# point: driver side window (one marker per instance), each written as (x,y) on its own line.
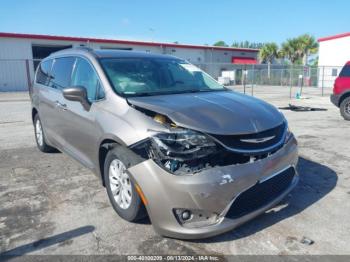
(85,76)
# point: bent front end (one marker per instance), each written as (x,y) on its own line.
(217,199)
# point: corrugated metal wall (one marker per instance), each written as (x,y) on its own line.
(13,56)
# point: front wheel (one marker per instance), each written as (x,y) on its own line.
(121,190)
(40,136)
(345,108)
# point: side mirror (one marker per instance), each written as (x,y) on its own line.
(77,93)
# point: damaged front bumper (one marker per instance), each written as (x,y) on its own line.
(212,196)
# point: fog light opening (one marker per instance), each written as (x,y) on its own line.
(186,215)
(195,218)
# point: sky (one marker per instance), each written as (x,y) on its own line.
(185,21)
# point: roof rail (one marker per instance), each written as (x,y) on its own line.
(85,48)
(89,49)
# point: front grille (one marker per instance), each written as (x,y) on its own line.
(234,141)
(261,194)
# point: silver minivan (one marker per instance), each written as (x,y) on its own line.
(165,139)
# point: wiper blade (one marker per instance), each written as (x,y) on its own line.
(143,94)
(172,92)
(202,90)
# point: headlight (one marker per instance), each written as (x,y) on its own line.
(289,134)
(173,149)
(182,143)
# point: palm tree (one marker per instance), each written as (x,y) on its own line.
(292,50)
(268,53)
(299,48)
(308,46)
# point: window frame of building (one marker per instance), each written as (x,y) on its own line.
(334,72)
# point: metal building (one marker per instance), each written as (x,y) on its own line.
(333,53)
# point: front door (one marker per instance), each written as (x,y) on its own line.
(80,129)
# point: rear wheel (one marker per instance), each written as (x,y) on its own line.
(40,136)
(345,108)
(121,189)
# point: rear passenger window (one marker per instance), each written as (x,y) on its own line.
(345,72)
(61,72)
(43,73)
(85,76)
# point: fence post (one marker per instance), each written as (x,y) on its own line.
(243,82)
(290,82)
(28,74)
(281,77)
(322,81)
(243,78)
(253,80)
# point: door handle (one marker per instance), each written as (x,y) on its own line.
(60,105)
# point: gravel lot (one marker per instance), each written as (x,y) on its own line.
(50,204)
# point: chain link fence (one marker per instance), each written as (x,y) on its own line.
(287,80)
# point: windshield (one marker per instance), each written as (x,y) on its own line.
(154,76)
(345,72)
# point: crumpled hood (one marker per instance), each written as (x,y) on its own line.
(221,112)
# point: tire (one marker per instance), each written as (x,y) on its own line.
(40,136)
(345,108)
(129,206)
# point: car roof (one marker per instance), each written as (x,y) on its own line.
(98,53)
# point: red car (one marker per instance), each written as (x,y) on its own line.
(341,92)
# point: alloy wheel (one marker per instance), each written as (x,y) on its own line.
(120,184)
(39,133)
(347,108)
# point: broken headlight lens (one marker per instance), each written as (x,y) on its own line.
(183,144)
(182,151)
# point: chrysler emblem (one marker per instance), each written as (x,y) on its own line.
(257,140)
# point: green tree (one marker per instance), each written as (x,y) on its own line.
(298,49)
(256,45)
(267,54)
(235,44)
(220,43)
(247,44)
(292,50)
(308,46)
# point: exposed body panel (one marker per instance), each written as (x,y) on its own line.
(203,191)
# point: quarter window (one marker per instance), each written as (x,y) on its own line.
(62,72)
(85,76)
(43,73)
